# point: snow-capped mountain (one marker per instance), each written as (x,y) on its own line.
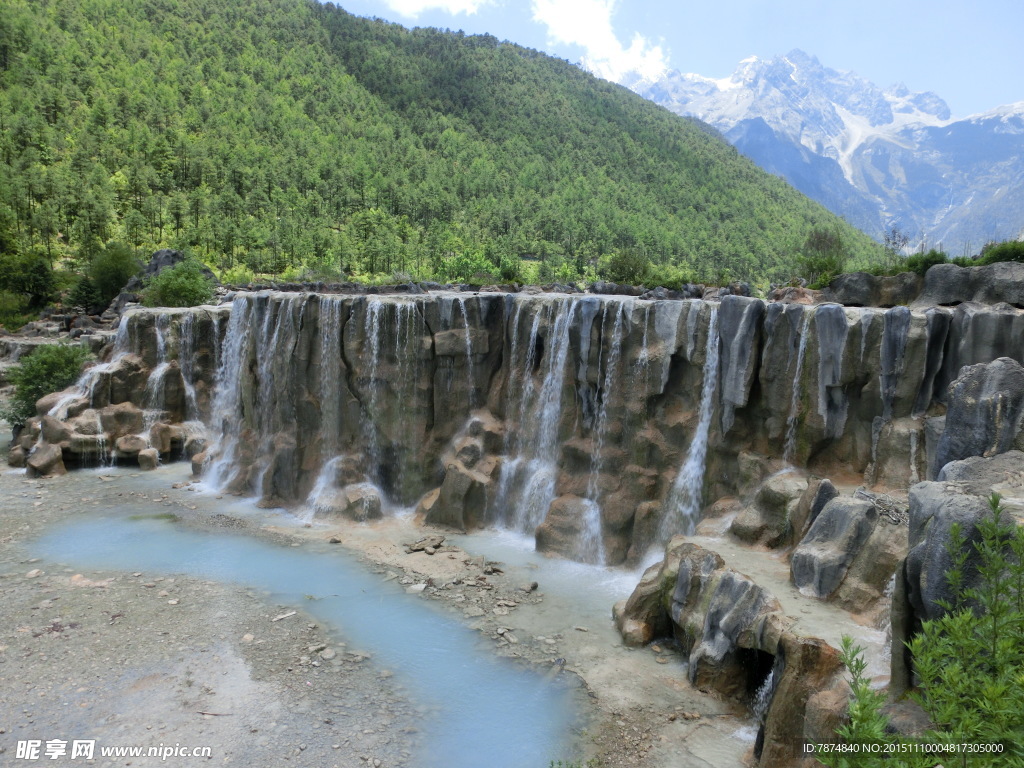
(878,157)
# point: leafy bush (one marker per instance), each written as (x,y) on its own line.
(919,263)
(627,268)
(111,269)
(467,267)
(28,274)
(1011,250)
(668,276)
(46,369)
(238,275)
(823,256)
(183,285)
(86,295)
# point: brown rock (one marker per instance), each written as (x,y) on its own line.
(45,461)
(149,458)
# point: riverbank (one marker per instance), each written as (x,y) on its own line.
(147,659)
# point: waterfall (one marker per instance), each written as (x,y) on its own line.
(330,375)
(153,399)
(470,387)
(763,696)
(643,360)
(682,507)
(533,467)
(187,350)
(591,544)
(226,414)
(325,484)
(85,387)
(789,448)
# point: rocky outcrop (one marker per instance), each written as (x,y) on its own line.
(960,497)
(860,289)
(849,554)
(985,413)
(736,638)
(769,519)
(948,284)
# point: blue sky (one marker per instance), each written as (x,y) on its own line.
(969,53)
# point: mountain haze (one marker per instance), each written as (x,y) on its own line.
(879,157)
(286,135)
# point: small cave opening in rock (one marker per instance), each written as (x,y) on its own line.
(538,353)
(761,673)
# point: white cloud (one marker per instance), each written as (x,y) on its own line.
(588,24)
(413,8)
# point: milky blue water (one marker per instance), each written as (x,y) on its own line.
(490,712)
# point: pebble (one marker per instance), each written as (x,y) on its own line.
(35,572)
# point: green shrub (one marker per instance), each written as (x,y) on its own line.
(86,295)
(626,268)
(28,274)
(919,263)
(668,276)
(1011,250)
(823,256)
(238,275)
(183,285)
(111,269)
(46,369)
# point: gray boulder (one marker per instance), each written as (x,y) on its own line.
(986,411)
(859,289)
(988,284)
(769,519)
(935,507)
(820,561)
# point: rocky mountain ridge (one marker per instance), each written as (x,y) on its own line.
(879,157)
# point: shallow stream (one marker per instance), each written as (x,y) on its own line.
(485,710)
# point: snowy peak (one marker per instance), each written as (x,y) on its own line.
(876,156)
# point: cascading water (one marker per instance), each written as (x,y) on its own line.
(187,351)
(85,387)
(153,399)
(682,507)
(789,448)
(330,375)
(227,415)
(388,396)
(591,545)
(470,388)
(535,448)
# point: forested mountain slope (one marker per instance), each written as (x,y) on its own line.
(285,135)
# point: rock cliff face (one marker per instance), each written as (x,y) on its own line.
(599,423)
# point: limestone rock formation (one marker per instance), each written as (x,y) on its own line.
(849,554)
(506,403)
(960,497)
(769,519)
(985,413)
(989,284)
(734,633)
(860,289)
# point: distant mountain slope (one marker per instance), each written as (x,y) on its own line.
(877,157)
(279,134)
